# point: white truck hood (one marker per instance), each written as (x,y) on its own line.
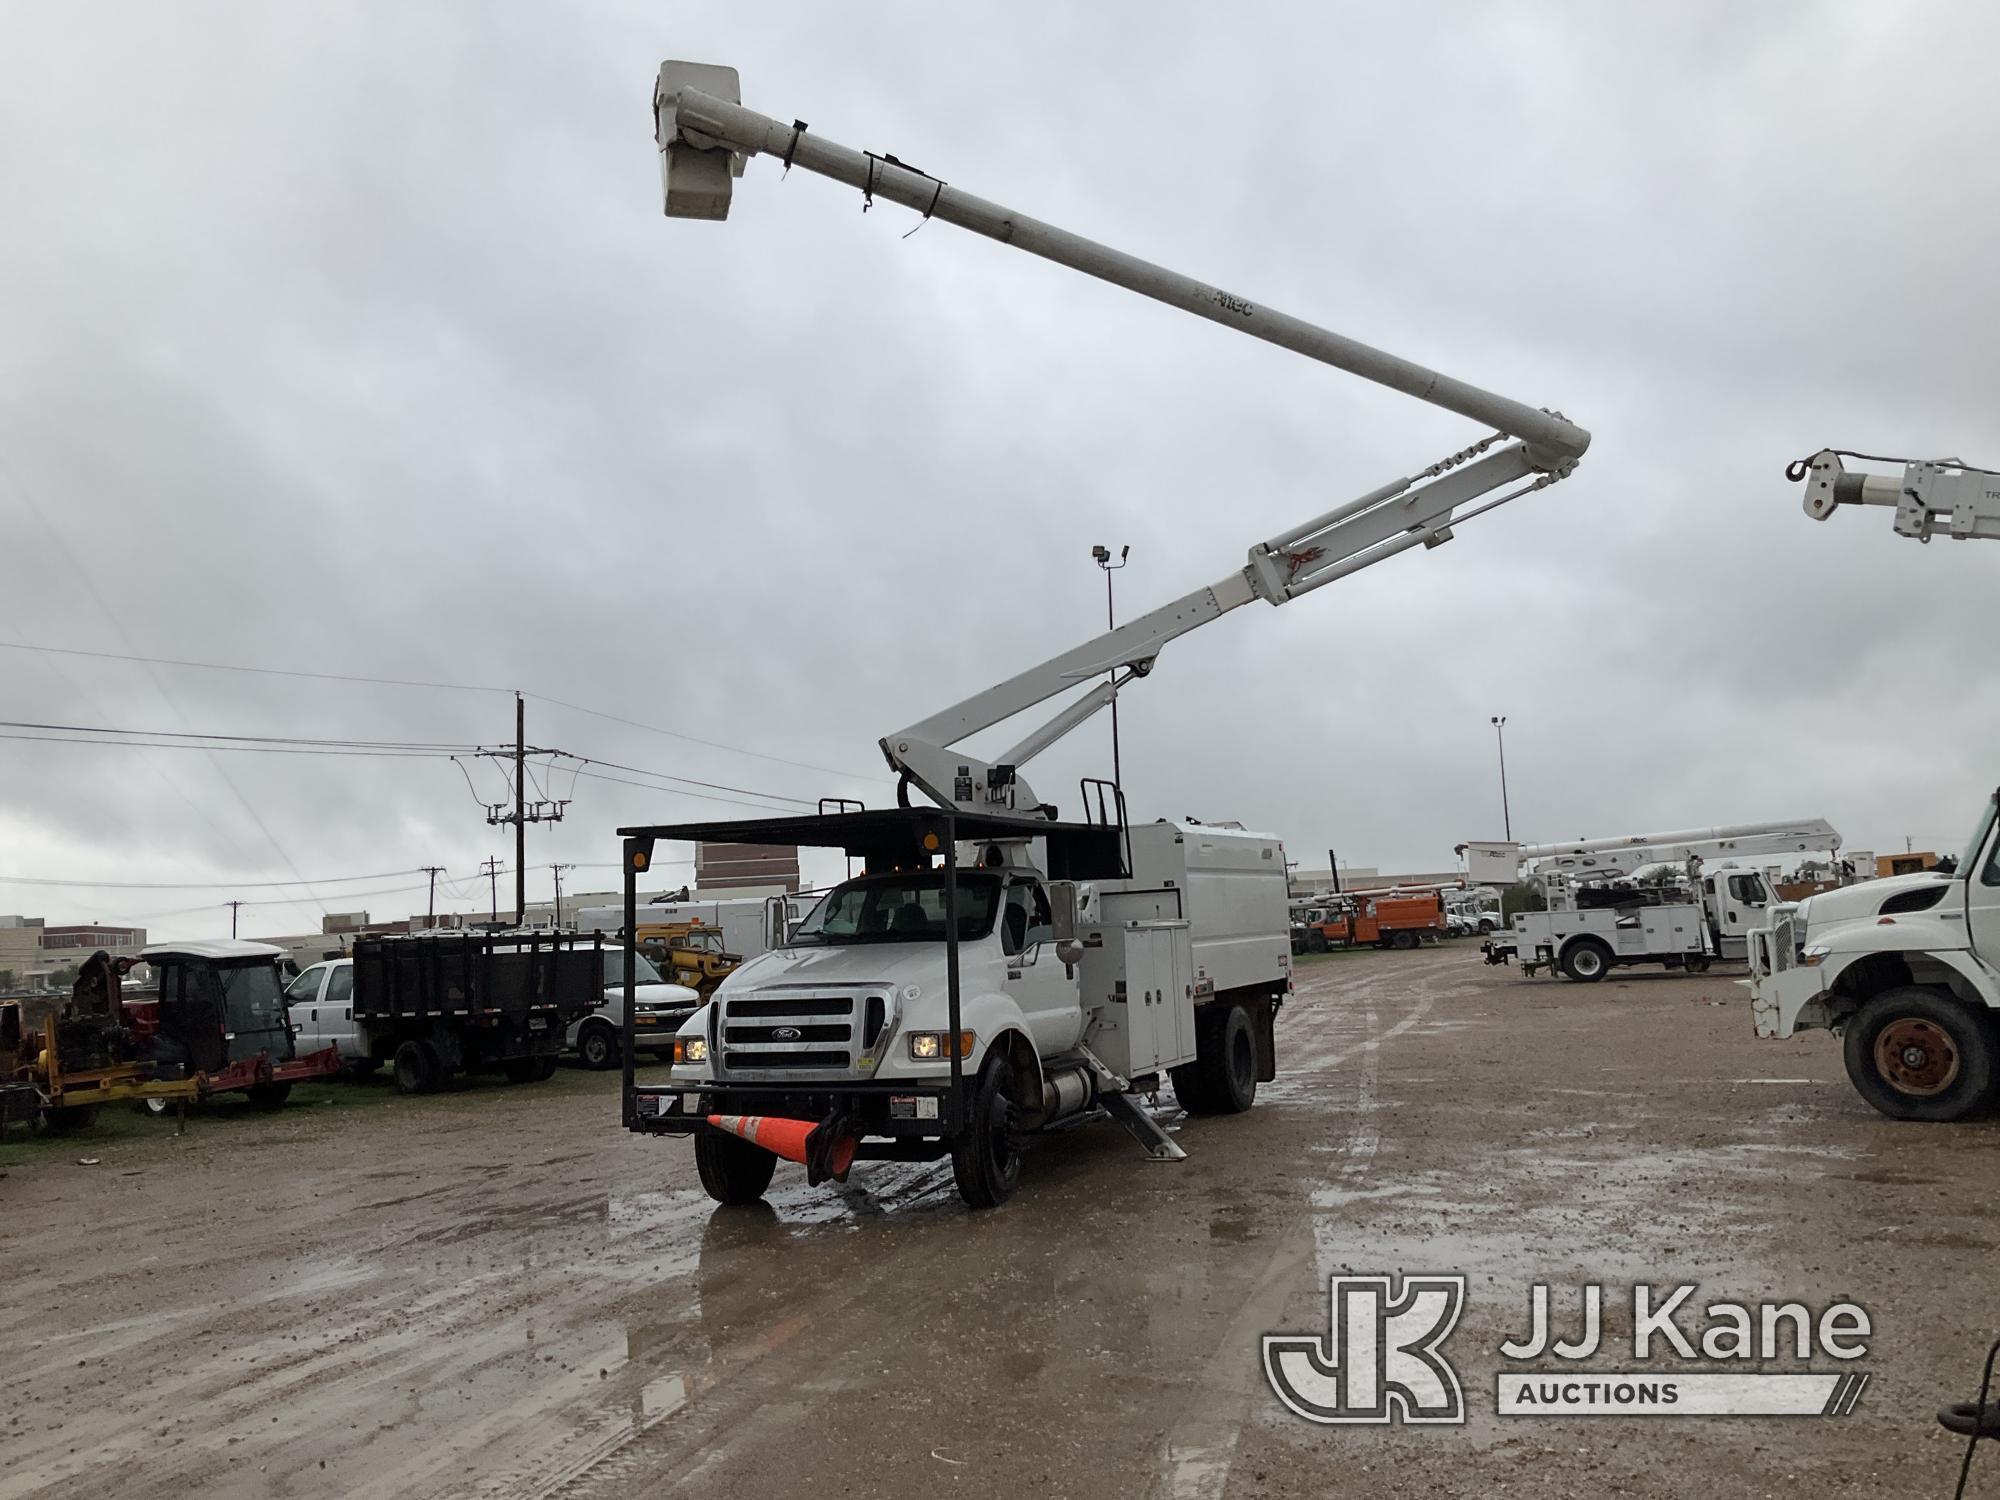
(891,965)
(1853,902)
(664,996)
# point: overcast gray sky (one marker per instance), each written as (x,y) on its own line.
(352,340)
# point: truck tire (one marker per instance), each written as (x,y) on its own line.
(1696,965)
(154,1109)
(417,1068)
(1317,943)
(1916,1053)
(522,1069)
(1222,1079)
(1586,960)
(268,1096)
(545,1067)
(986,1157)
(63,1117)
(732,1170)
(597,1045)
(1485,926)
(1403,939)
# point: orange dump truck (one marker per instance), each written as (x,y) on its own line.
(1385,919)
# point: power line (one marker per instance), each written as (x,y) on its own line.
(454,687)
(270,739)
(199,885)
(716,786)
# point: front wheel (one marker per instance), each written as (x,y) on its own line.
(597,1045)
(733,1171)
(986,1157)
(1586,960)
(1916,1053)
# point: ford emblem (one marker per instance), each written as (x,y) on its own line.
(785,1033)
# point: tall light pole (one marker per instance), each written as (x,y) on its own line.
(1506,818)
(1102,557)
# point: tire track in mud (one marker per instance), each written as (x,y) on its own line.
(1335,1019)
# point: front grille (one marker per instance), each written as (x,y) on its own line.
(760,1033)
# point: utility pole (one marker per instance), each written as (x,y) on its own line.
(1102,557)
(520,811)
(431,907)
(521,815)
(1333,864)
(491,870)
(557,871)
(1506,817)
(232,905)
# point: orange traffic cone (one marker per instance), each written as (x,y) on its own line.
(793,1140)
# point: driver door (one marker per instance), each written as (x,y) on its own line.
(302,1004)
(1036,980)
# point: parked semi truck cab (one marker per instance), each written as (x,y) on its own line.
(1906,970)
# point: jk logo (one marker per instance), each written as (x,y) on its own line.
(1380,1360)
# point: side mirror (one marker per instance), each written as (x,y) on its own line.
(1062,909)
(1062,922)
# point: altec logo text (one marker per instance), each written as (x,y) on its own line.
(1382,1359)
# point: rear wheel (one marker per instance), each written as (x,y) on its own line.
(1697,965)
(986,1157)
(597,1045)
(1404,939)
(1317,942)
(732,1170)
(1586,960)
(70,1116)
(268,1096)
(1222,1079)
(522,1069)
(417,1068)
(157,1109)
(1916,1053)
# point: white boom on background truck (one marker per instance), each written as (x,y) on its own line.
(1596,921)
(997,970)
(1905,970)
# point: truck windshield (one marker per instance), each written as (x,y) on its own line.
(1979,832)
(614,969)
(251,997)
(901,909)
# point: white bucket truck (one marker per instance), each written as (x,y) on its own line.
(1598,918)
(1906,971)
(997,970)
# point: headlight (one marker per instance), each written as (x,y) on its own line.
(928,1046)
(690,1049)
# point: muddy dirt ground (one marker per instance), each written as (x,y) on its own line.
(496,1293)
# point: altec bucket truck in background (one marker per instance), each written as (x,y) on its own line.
(1598,918)
(995,970)
(1906,970)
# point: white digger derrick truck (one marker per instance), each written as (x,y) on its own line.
(996,970)
(1597,919)
(1905,970)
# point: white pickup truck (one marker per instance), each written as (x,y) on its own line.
(1906,971)
(1073,996)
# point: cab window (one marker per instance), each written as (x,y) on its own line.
(1746,889)
(305,989)
(340,986)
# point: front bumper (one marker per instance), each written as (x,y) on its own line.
(908,1108)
